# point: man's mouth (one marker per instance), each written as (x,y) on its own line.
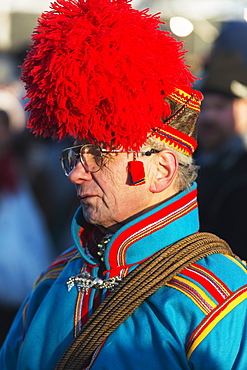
(85,197)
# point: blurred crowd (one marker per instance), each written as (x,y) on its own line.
(37,202)
(222,139)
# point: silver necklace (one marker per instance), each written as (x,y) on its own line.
(84,281)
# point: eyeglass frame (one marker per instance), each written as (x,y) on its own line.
(80,158)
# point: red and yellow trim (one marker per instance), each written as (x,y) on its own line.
(149,225)
(81,315)
(191,100)
(192,291)
(159,224)
(238,263)
(209,281)
(57,266)
(176,139)
(201,286)
(210,321)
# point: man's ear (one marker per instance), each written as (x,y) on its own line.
(165,170)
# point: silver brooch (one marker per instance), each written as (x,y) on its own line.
(85,281)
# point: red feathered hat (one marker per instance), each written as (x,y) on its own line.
(103,71)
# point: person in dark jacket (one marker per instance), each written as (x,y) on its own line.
(222,130)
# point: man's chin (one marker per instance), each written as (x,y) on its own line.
(92,217)
(103,225)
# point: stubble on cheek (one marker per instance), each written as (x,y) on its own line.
(97,212)
(103,209)
(90,210)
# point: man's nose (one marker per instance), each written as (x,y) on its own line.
(79,174)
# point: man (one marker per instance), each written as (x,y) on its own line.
(222,128)
(116,75)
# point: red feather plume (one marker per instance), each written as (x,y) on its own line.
(99,69)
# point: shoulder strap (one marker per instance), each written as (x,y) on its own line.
(133,290)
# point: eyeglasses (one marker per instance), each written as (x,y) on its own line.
(91,157)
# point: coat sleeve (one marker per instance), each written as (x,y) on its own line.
(10,350)
(220,341)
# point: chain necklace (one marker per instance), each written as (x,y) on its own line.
(85,281)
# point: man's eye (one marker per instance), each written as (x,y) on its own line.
(106,157)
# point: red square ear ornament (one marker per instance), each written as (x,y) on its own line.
(137,172)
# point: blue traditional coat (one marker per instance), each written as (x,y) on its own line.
(196,321)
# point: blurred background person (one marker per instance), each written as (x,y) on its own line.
(51,188)
(222,129)
(34,225)
(40,157)
(25,242)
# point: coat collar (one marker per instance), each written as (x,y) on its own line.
(142,237)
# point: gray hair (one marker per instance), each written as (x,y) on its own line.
(187,170)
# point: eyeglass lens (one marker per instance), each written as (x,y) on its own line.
(90,155)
